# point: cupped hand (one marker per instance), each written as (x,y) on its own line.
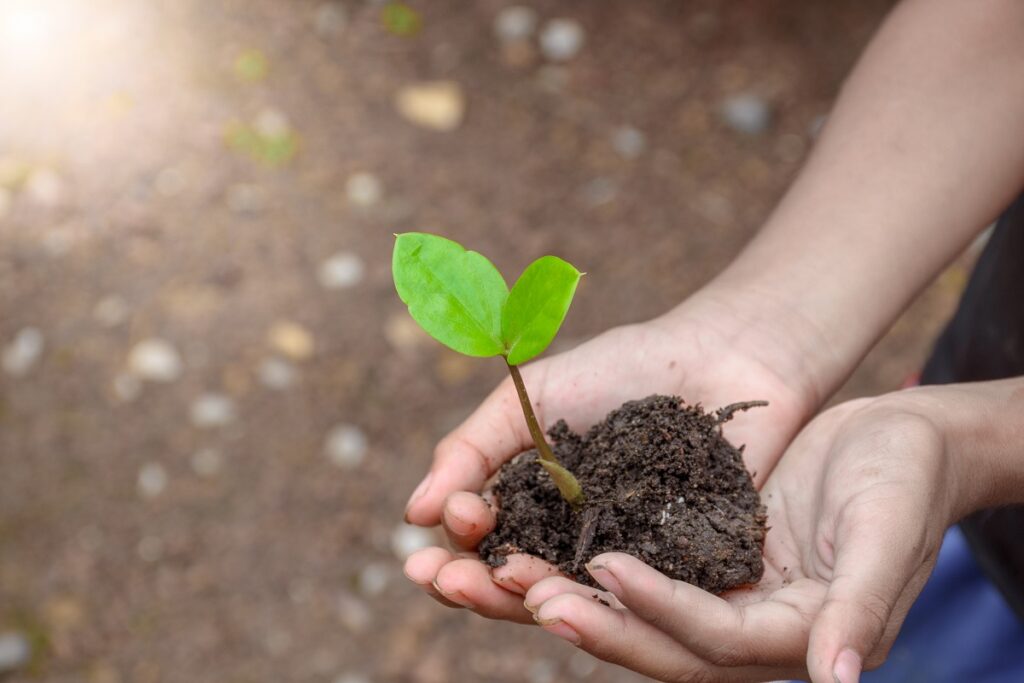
(694,353)
(857,508)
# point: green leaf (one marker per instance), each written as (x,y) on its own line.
(536,307)
(455,295)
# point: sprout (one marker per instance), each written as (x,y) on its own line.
(462,301)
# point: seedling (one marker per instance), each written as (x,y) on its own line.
(462,301)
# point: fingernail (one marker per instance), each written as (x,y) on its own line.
(603,576)
(418,493)
(559,628)
(509,584)
(847,667)
(455,596)
(457,524)
(532,609)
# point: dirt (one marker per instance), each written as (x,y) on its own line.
(662,484)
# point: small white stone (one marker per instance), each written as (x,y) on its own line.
(346,446)
(152,480)
(542,671)
(15,651)
(629,142)
(437,105)
(515,23)
(150,549)
(23,352)
(598,192)
(581,664)
(363,189)
(354,613)
(352,678)
(341,271)
(44,187)
(213,410)
(155,360)
(110,311)
(374,578)
(747,113)
(246,198)
(170,182)
(272,123)
(562,39)
(127,387)
(207,462)
(407,539)
(330,18)
(275,373)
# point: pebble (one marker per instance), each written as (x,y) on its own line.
(599,192)
(581,664)
(15,651)
(330,19)
(354,613)
(150,549)
(515,23)
(435,105)
(747,113)
(403,333)
(291,339)
(346,446)
(278,374)
(629,142)
(407,539)
(542,671)
(363,189)
(23,352)
(272,123)
(374,578)
(352,678)
(246,198)
(213,410)
(341,271)
(561,39)
(110,311)
(44,187)
(155,360)
(207,462)
(6,199)
(152,480)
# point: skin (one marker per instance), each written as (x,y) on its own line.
(911,166)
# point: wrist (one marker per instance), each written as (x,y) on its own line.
(767,329)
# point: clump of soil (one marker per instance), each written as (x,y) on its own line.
(662,484)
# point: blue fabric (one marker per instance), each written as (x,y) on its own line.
(960,629)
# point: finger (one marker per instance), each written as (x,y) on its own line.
(467,518)
(544,590)
(762,633)
(468,582)
(520,572)
(621,637)
(465,459)
(422,568)
(872,568)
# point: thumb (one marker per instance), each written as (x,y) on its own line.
(874,562)
(468,456)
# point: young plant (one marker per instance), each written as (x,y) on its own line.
(462,301)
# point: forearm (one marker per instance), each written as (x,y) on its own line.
(982,424)
(920,153)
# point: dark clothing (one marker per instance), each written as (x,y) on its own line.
(985,341)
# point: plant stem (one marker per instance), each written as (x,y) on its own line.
(567,484)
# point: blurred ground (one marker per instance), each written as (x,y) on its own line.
(212,404)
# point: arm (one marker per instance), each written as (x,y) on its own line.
(921,152)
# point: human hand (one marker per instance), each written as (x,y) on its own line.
(704,352)
(857,508)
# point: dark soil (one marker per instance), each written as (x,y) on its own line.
(662,484)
